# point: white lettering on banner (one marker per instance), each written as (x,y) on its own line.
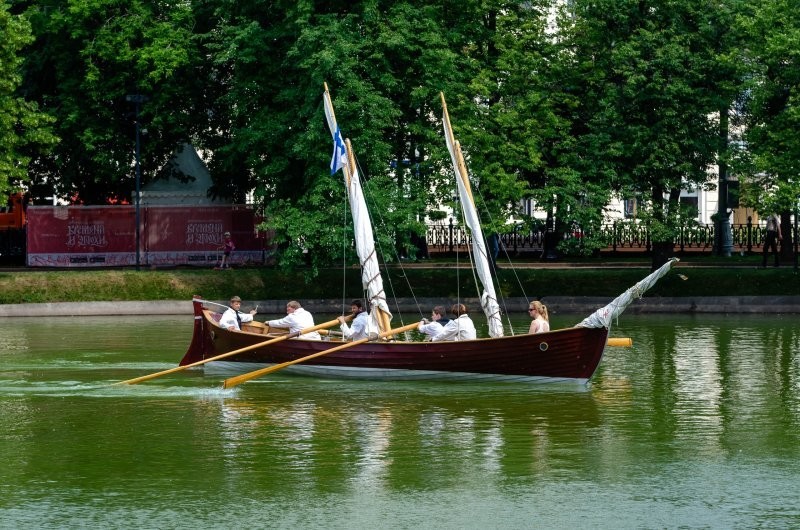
(86,235)
(204,232)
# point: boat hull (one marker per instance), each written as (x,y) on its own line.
(570,354)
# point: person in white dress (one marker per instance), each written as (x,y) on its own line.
(232,318)
(296,319)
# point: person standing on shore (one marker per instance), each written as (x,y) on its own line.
(227,249)
(771,239)
(232,318)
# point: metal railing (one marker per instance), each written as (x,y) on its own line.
(619,236)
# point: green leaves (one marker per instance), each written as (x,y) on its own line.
(770,163)
(617,97)
(24,130)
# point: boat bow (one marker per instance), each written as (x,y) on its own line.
(603,317)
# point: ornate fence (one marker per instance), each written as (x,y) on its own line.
(619,236)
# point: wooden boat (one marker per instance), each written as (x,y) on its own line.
(564,355)
(570,354)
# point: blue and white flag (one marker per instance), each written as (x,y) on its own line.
(339,159)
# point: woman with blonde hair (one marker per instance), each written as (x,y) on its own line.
(541,321)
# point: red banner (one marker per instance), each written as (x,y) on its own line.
(101,236)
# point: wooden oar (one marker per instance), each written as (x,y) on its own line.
(230,353)
(625,342)
(239,379)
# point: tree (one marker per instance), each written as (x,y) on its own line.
(385,63)
(87,58)
(650,83)
(507,120)
(23,129)
(769,158)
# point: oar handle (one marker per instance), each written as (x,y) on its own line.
(239,379)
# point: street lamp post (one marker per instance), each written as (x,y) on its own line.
(137,100)
(724,237)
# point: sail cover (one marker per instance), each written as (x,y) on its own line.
(488,298)
(603,317)
(365,242)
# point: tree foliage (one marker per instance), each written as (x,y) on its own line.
(769,158)
(88,57)
(564,103)
(647,125)
(23,128)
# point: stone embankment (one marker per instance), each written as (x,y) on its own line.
(556,304)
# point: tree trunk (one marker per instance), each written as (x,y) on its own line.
(662,252)
(786,244)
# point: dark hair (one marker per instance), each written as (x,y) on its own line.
(358,304)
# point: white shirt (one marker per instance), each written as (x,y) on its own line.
(460,328)
(229,319)
(773,223)
(358,330)
(297,320)
(431,329)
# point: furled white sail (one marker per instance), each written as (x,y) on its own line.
(488,298)
(603,317)
(365,242)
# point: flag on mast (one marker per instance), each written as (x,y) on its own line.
(339,159)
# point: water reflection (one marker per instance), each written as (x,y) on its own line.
(701,412)
(717,384)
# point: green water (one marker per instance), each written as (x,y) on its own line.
(696,426)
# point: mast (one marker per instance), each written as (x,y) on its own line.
(488,298)
(371,279)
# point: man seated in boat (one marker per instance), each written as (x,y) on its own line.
(358,330)
(296,319)
(460,328)
(232,318)
(431,328)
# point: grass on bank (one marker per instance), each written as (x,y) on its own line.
(439,280)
